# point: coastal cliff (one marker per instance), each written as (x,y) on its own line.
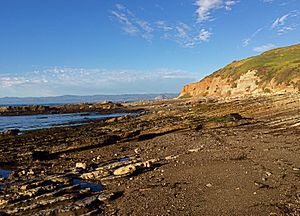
(275,71)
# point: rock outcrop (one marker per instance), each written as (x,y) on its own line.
(275,71)
(101,107)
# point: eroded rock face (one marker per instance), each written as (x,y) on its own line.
(248,84)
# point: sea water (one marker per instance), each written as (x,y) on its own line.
(32,122)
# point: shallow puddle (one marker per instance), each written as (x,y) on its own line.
(4,173)
(124,159)
(83,184)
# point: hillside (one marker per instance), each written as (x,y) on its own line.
(275,71)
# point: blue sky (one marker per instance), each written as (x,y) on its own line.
(58,47)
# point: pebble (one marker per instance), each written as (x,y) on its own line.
(3,202)
(209,185)
(171,157)
(23,172)
(137,150)
(195,150)
(24,187)
(30,172)
(80,165)
(268,174)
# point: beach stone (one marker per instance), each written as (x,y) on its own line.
(3,201)
(121,118)
(209,185)
(194,150)
(171,157)
(111,120)
(88,175)
(130,169)
(30,172)
(23,172)
(24,187)
(137,150)
(268,174)
(11,132)
(80,165)
(125,170)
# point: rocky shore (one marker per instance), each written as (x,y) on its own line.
(103,108)
(181,157)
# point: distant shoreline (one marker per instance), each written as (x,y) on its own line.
(73,99)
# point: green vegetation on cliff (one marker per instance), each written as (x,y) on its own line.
(282,65)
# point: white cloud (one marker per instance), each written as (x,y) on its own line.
(205,7)
(131,24)
(264,48)
(286,23)
(280,21)
(204,35)
(186,35)
(161,24)
(182,30)
(61,81)
(285,29)
(165,29)
(248,40)
(11,81)
(268,1)
(147,29)
(279,2)
(229,4)
(127,25)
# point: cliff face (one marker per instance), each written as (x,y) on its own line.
(275,71)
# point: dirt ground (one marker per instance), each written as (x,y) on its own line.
(180,157)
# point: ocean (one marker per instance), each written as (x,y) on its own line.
(32,122)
